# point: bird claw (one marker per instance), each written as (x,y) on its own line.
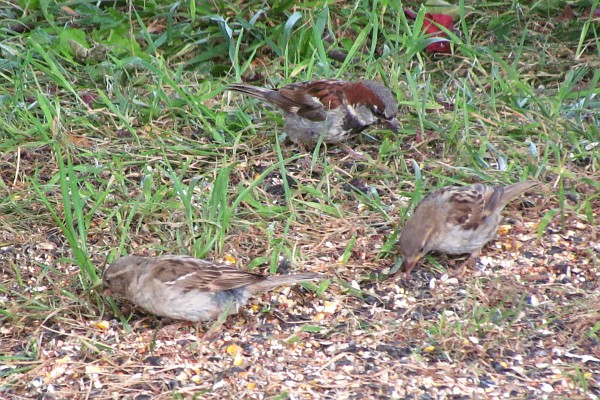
(352,154)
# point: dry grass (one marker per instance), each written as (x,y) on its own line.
(522,323)
(158,167)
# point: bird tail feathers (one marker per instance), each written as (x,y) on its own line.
(254,91)
(512,191)
(279,280)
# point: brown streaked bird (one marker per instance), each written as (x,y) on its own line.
(331,108)
(187,288)
(456,220)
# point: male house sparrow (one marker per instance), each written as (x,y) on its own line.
(456,220)
(187,288)
(330,108)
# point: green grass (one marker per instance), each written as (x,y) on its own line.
(116,138)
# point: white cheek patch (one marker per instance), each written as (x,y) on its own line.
(352,111)
(294,109)
(317,100)
(363,114)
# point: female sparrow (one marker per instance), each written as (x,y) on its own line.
(187,288)
(456,220)
(330,108)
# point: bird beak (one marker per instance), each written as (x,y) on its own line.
(409,264)
(393,124)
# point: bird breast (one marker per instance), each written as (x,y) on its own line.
(457,240)
(303,130)
(191,305)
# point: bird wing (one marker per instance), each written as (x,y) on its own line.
(469,205)
(310,100)
(207,276)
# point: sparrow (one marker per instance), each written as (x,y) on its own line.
(331,108)
(456,220)
(187,288)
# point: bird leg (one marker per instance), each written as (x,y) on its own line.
(468,264)
(353,154)
(306,161)
(168,328)
(216,326)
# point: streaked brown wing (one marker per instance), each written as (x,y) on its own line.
(467,206)
(311,100)
(191,273)
(329,92)
(296,101)
(231,278)
(493,199)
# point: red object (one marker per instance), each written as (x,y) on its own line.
(431,26)
(89,98)
(586,12)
